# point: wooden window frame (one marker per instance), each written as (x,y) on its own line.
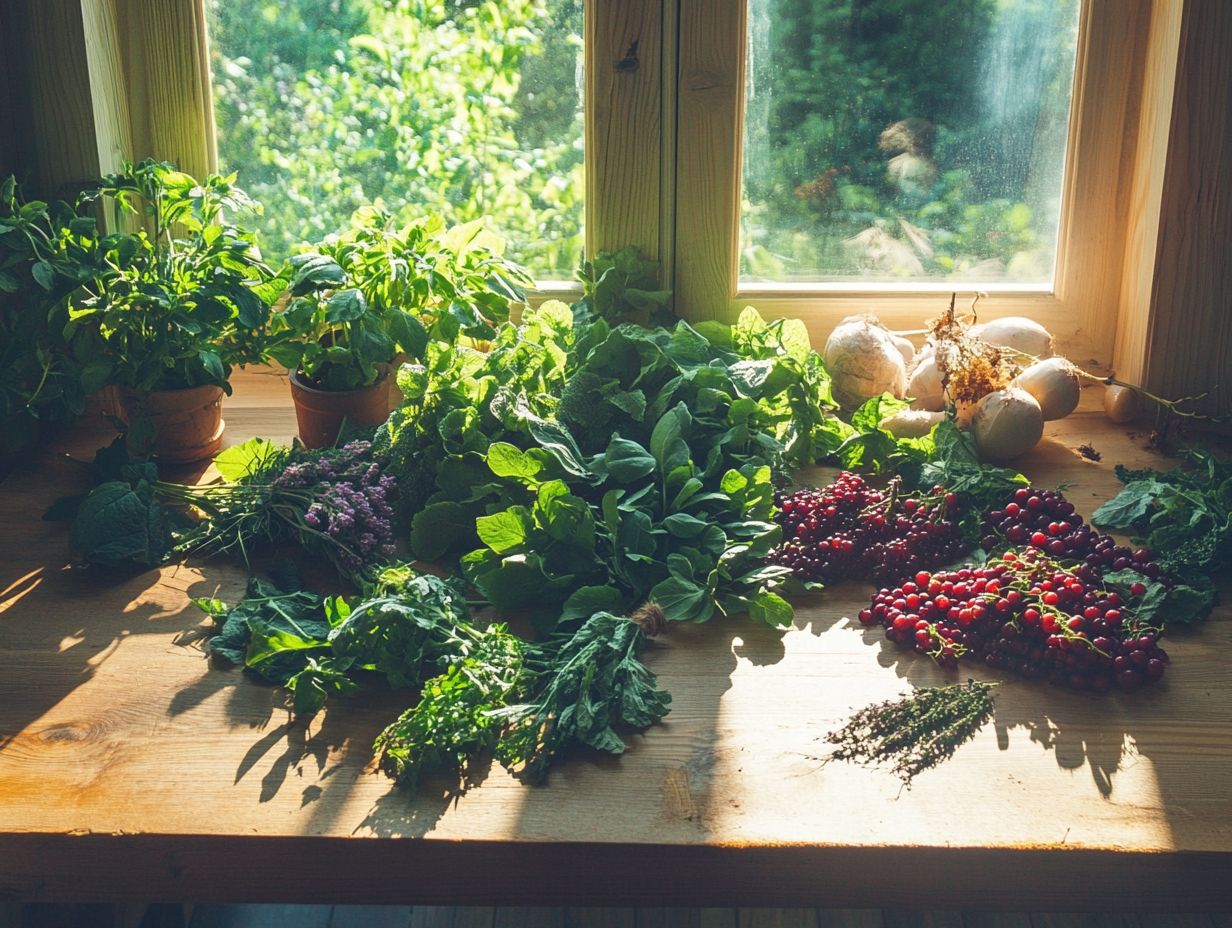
(1142,276)
(1082,307)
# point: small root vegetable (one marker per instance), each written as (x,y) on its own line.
(863,362)
(1054,384)
(1006,424)
(1017,333)
(905,348)
(1120,403)
(911,423)
(924,386)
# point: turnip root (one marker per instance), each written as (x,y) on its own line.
(1006,423)
(863,362)
(905,348)
(1120,403)
(1016,333)
(924,386)
(1054,385)
(911,423)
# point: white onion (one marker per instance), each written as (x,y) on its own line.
(863,362)
(1007,423)
(1016,333)
(1054,385)
(911,423)
(924,386)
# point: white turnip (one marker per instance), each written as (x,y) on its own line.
(905,348)
(924,386)
(1054,385)
(863,362)
(1006,424)
(1120,403)
(911,423)
(1016,333)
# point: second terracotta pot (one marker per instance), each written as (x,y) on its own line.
(188,423)
(320,413)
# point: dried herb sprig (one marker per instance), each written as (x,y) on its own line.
(915,732)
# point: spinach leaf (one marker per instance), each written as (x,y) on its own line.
(118,524)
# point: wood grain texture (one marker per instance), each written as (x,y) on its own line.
(370,916)
(709,116)
(686,918)
(777,918)
(1190,344)
(61,117)
(163,46)
(922,919)
(9,144)
(130,767)
(850,918)
(624,125)
(996,920)
(109,89)
(596,917)
(1146,192)
(260,916)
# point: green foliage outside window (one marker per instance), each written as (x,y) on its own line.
(457,108)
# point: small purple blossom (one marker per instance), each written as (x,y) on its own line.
(347,500)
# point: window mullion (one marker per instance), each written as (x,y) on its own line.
(624,125)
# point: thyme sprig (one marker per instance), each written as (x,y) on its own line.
(917,731)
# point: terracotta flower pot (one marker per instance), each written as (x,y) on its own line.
(320,413)
(188,423)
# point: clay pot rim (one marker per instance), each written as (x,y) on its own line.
(129,391)
(300,383)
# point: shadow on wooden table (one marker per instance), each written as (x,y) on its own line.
(1103,733)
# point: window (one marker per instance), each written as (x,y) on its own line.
(905,140)
(707,141)
(716,275)
(464,109)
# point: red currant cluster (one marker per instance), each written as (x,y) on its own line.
(850,531)
(1044,519)
(1026,614)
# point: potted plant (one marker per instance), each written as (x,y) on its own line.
(165,312)
(376,294)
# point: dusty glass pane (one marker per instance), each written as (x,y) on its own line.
(464,108)
(905,140)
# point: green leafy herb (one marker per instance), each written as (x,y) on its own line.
(595,683)
(377,289)
(1185,517)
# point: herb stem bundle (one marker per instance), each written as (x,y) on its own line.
(917,731)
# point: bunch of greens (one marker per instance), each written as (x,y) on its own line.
(165,307)
(40,383)
(360,298)
(336,502)
(1184,516)
(491,693)
(602,466)
(622,286)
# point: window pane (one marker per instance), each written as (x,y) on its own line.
(905,140)
(464,108)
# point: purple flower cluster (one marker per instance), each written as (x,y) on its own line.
(351,502)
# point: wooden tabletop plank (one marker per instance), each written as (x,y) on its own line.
(117,737)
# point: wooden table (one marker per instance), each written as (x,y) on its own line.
(129,768)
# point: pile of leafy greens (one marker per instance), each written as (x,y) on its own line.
(1184,516)
(580,466)
(485,692)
